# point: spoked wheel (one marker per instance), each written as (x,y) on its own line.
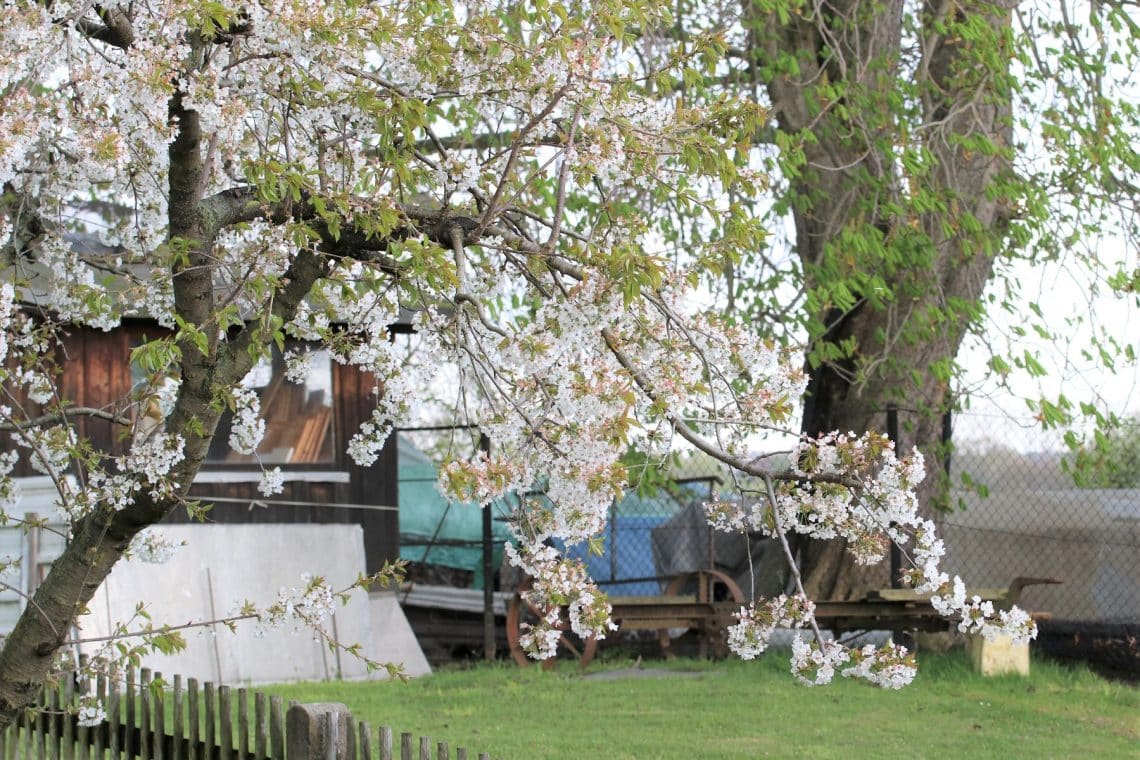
(706,586)
(521,614)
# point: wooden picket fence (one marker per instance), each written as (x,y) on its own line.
(149,718)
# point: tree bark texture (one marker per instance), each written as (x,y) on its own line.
(845,91)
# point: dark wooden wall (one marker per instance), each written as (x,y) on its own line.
(96,372)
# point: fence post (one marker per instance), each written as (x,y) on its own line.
(306,735)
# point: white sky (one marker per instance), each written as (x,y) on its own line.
(1074,314)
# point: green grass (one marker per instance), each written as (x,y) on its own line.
(738,709)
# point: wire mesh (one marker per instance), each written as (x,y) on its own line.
(1018,512)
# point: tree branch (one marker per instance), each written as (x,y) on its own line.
(114,27)
(62,415)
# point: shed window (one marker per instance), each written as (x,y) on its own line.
(298,416)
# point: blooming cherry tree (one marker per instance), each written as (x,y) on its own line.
(514,173)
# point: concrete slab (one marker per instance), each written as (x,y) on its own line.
(219,568)
(393,638)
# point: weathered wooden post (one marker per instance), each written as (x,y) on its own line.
(317,731)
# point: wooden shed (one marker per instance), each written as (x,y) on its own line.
(307,428)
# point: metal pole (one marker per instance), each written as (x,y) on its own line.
(32,568)
(947,438)
(896,552)
(488,570)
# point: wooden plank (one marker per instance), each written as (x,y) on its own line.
(101,731)
(425,748)
(405,746)
(28,726)
(365,741)
(82,741)
(243,723)
(178,720)
(311,439)
(41,735)
(113,705)
(194,718)
(260,725)
(442,752)
(56,706)
(208,714)
(350,738)
(129,714)
(82,733)
(384,742)
(332,735)
(277,727)
(225,730)
(656,601)
(144,715)
(158,724)
(461,753)
(67,737)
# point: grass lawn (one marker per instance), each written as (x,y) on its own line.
(739,709)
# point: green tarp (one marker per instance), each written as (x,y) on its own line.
(430,525)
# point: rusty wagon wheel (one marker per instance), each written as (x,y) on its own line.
(707,587)
(521,612)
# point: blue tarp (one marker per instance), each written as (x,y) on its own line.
(628,555)
(626,568)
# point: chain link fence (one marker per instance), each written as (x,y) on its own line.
(1017,511)
(660,535)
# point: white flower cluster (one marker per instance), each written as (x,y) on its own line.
(814,663)
(90,712)
(309,605)
(365,445)
(7,305)
(152,546)
(723,515)
(39,387)
(748,637)
(559,583)
(9,487)
(977,615)
(258,251)
(50,448)
(72,290)
(272,482)
(949,597)
(298,366)
(856,489)
(116,491)
(248,427)
(890,666)
(152,459)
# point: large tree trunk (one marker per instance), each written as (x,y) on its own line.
(913,278)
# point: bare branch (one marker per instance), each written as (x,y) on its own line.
(62,415)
